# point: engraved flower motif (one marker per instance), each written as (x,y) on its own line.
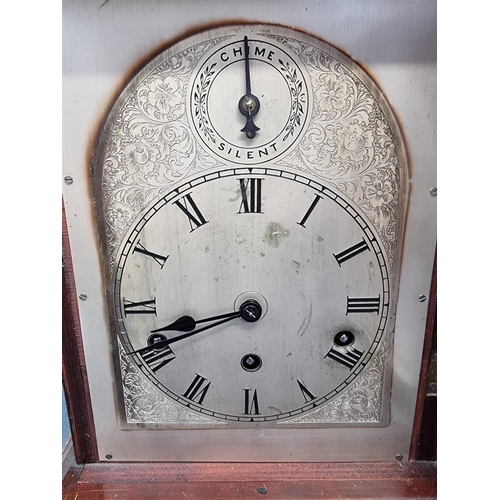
(137,153)
(133,383)
(362,401)
(354,142)
(140,155)
(164,94)
(144,404)
(332,94)
(119,218)
(140,159)
(111,171)
(379,192)
(384,133)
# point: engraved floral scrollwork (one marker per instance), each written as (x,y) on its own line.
(340,136)
(145,404)
(332,94)
(362,402)
(161,99)
(374,193)
(150,144)
(349,142)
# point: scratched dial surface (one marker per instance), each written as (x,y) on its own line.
(307,256)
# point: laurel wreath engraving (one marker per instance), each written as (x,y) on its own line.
(200,102)
(298,97)
(201,92)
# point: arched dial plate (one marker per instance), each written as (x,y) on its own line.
(252,166)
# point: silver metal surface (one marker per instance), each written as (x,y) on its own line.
(101,45)
(326,135)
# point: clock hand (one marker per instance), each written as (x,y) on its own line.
(247,66)
(249,104)
(188,323)
(164,343)
(250,128)
(250,311)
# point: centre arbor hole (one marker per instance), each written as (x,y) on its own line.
(251,362)
(251,310)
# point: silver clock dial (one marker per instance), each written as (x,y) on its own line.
(300,251)
(252,214)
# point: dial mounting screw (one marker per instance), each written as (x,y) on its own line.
(68,179)
(83,296)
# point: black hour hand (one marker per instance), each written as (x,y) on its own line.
(188,323)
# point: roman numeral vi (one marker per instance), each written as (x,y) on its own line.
(251,402)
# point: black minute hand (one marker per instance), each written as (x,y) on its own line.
(248,82)
(249,104)
(250,311)
(163,343)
